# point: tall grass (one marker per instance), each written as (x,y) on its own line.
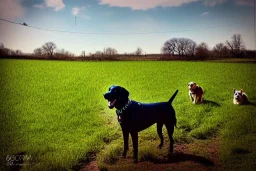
(55,111)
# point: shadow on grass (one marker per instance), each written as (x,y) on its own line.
(90,156)
(182,157)
(240,151)
(251,103)
(212,103)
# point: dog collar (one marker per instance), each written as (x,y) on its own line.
(121,111)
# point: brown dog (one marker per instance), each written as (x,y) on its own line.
(195,93)
(240,97)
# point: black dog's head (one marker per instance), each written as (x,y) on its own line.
(117,97)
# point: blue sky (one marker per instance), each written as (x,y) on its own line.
(124,25)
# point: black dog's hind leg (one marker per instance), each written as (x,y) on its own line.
(170,130)
(126,142)
(135,146)
(160,134)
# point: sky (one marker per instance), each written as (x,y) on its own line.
(92,25)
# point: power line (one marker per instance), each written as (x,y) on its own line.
(112,33)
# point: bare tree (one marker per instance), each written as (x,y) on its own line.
(138,51)
(68,54)
(18,52)
(62,53)
(191,48)
(220,50)
(2,49)
(236,45)
(114,52)
(9,52)
(1,46)
(83,53)
(6,51)
(179,46)
(202,51)
(38,51)
(49,48)
(98,54)
(170,47)
(110,51)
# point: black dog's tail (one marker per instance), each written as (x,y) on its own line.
(170,102)
(173,96)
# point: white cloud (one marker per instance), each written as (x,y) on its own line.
(75,11)
(148,4)
(56,4)
(205,14)
(213,2)
(11,9)
(41,6)
(245,2)
(144,4)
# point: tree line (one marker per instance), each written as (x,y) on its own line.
(9,52)
(188,48)
(183,48)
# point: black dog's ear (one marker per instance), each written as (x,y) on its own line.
(112,87)
(124,92)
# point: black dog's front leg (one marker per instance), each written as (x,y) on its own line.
(126,141)
(135,146)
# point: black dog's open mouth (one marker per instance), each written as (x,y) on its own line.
(111,104)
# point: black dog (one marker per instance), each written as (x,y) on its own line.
(134,117)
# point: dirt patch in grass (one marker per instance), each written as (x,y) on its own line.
(92,166)
(199,155)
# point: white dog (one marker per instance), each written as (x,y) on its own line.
(195,93)
(240,97)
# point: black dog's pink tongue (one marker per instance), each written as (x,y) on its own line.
(111,103)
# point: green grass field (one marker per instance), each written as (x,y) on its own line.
(54,111)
